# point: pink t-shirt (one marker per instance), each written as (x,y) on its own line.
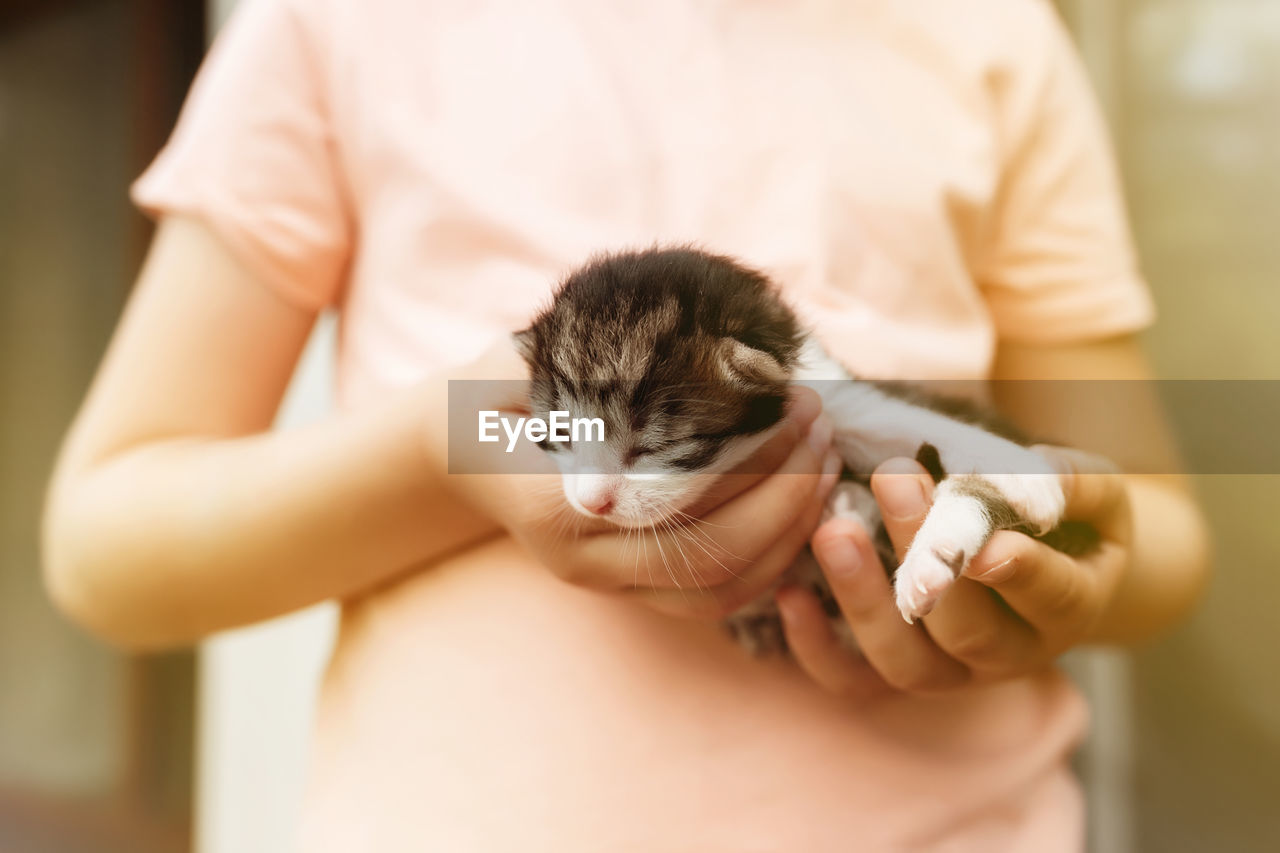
(923,177)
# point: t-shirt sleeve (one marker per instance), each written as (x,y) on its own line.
(1059,264)
(253,155)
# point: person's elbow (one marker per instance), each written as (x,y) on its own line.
(96,583)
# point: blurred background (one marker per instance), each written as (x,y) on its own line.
(205,751)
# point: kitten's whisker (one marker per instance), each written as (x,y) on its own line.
(667,565)
(555,509)
(701,384)
(548,515)
(648,567)
(675,538)
(691,538)
(554,517)
(565,524)
(702,402)
(626,540)
(701,522)
(694,525)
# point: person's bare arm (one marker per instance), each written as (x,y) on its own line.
(173,512)
(1169,555)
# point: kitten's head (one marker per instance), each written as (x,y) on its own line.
(685,358)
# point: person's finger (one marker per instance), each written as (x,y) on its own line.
(697,552)
(904,655)
(750,524)
(1052,592)
(976,628)
(904,491)
(537,500)
(697,598)
(803,408)
(819,651)
(1094,488)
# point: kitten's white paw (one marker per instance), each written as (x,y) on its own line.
(955,530)
(920,582)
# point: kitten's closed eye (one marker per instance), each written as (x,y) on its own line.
(635,454)
(701,455)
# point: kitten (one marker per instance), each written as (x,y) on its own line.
(687,357)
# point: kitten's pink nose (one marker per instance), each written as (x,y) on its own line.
(600,503)
(596,493)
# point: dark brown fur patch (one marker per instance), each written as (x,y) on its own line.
(1001,514)
(929,457)
(675,342)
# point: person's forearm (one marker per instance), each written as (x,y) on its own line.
(1169,563)
(167,542)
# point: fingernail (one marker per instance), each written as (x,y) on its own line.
(843,557)
(820,433)
(902,497)
(998,573)
(832,465)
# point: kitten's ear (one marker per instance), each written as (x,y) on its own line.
(525,342)
(742,363)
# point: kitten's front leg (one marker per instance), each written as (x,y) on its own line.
(969,505)
(990,482)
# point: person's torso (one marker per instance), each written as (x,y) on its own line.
(488,148)
(485,706)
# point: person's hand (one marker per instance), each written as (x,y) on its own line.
(726,550)
(1018,605)
(729,550)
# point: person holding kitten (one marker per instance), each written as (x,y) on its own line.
(931,186)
